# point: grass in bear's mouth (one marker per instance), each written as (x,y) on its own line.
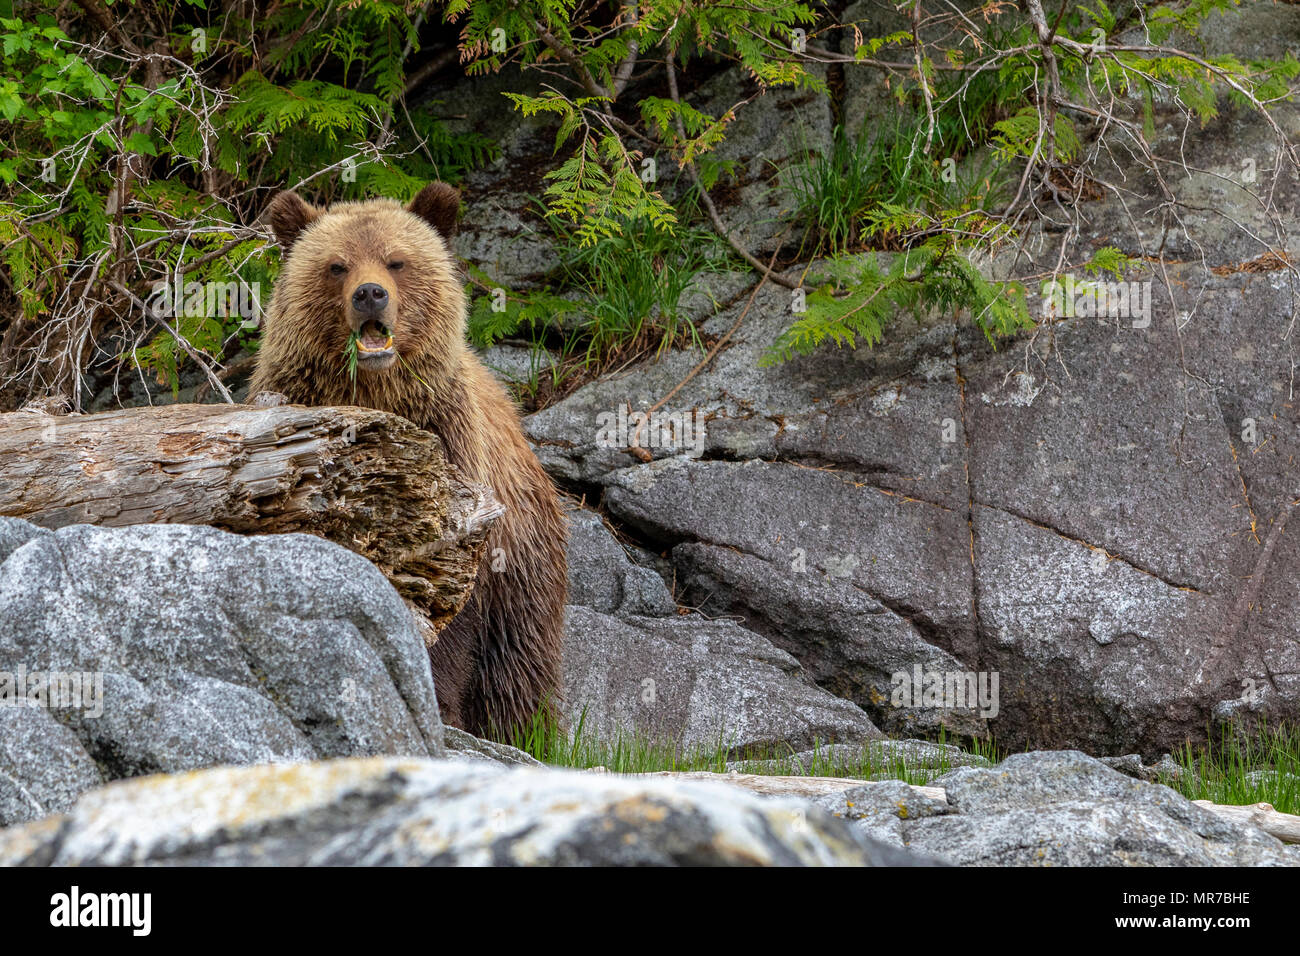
(350,355)
(418,377)
(354,348)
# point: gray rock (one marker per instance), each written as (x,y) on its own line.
(502,231)
(844,408)
(513,246)
(468,747)
(43,766)
(1257,27)
(211,647)
(602,576)
(770,134)
(714,292)
(385,811)
(825,568)
(847,640)
(1230,159)
(517,365)
(1035,809)
(634,665)
(880,811)
(1067,809)
(866,97)
(696,683)
(1131,765)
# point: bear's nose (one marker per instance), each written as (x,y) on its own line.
(370,298)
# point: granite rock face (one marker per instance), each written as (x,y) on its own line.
(1099,517)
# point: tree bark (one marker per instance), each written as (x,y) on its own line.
(367,480)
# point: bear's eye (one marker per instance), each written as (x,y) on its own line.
(396,265)
(337,270)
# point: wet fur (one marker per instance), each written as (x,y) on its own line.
(498,661)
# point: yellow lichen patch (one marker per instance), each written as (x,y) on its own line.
(639,808)
(568,806)
(234,797)
(18,843)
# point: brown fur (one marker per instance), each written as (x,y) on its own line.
(499,659)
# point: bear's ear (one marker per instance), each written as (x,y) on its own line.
(438,204)
(288,215)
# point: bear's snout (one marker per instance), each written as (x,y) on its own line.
(371,317)
(370,299)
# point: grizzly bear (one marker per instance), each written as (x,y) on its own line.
(386,273)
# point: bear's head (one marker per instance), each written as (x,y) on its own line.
(373,269)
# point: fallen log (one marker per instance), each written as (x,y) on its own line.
(788,786)
(1284,826)
(367,480)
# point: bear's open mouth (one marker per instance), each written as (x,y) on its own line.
(374,337)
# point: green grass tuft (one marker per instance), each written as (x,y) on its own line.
(1241,767)
(633,752)
(1255,765)
(840,193)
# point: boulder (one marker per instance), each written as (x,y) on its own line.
(503,233)
(192,647)
(466,746)
(603,576)
(1067,809)
(394,812)
(634,665)
(885,811)
(696,683)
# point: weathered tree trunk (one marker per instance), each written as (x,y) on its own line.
(367,480)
